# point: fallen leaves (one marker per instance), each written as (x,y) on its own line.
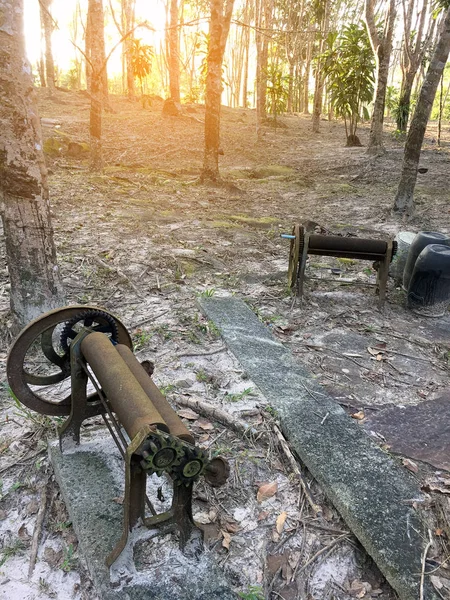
(266,490)
(438,483)
(410,465)
(281,519)
(226,539)
(187,413)
(359,416)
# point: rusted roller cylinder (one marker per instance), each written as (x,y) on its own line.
(329,245)
(128,400)
(175,424)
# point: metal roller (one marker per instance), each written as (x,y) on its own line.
(129,401)
(173,421)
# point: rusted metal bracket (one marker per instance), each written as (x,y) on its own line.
(304,243)
(91,347)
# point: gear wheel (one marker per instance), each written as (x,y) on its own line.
(161,453)
(192,466)
(97,320)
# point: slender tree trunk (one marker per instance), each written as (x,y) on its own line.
(245,76)
(404,199)
(320,79)
(263,11)
(174,52)
(129,24)
(41,69)
(221,11)
(96,26)
(290,88)
(404,101)
(46,19)
(24,203)
(382,48)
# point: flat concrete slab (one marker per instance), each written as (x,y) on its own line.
(421,431)
(372,493)
(90,483)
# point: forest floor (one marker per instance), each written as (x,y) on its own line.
(144,239)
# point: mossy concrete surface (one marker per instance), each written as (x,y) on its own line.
(373,494)
(91,491)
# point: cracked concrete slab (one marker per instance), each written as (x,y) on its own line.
(89,479)
(372,493)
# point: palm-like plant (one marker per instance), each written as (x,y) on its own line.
(349,67)
(141,60)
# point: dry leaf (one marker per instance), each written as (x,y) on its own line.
(3,514)
(263,515)
(437,484)
(358,415)
(204,424)
(231,527)
(267,490)
(118,500)
(280,521)
(379,357)
(410,465)
(202,518)
(52,557)
(372,351)
(226,539)
(187,413)
(23,533)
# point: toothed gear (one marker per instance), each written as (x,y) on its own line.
(104,323)
(192,466)
(162,453)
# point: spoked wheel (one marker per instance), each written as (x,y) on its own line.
(295,252)
(39,360)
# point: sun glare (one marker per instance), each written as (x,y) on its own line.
(63,37)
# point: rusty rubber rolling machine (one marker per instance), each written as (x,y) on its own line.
(303,243)
(93,348)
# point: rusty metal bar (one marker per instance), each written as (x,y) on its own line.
(173,421)
(359,248)
(128,399)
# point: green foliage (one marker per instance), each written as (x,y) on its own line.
(277,90)
(392,95)
(254,592)
(141,59)
(349,66)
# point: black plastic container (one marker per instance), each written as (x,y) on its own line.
(422,239)
(429,286)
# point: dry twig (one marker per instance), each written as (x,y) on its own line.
(208,410)
(317,510)
(37,530)
(424,559)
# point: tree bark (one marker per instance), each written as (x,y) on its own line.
(264,9)
(404,199)
(319,78)
(174,52)
(413,52)
(219,26)
(47,22)
(98,68)
(24,203)
(382,48)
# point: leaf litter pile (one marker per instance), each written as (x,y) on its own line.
(143,239)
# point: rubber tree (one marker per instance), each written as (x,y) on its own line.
(95,27)
(174,52)
(415,43)
(219,26)
(323,18)
(47,26)
(404,199)
(24,198)
(382,47)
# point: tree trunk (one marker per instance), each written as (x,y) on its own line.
(97,51)
(319,79)
(414,48)
(128,24)
(24,203)
(174,52)
(221,11)
(404,199)
(382,48)
(263,22)
(404,101)
(46,19)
